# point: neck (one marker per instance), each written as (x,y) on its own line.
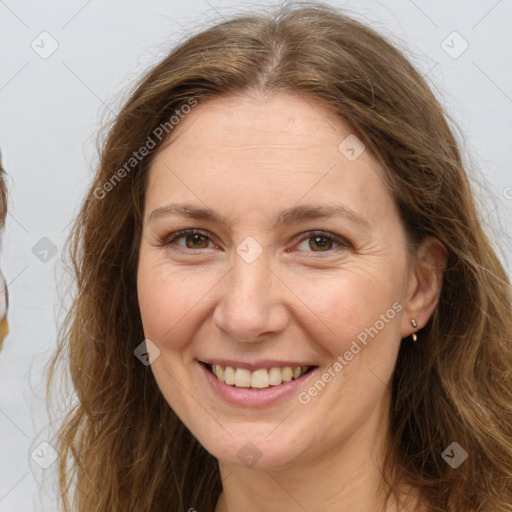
(342,477)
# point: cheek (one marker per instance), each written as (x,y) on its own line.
(356,305)
(171,301)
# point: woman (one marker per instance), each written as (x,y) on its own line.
(282,214)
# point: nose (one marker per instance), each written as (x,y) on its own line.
(251,303)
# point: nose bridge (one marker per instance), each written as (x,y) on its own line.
(250,304)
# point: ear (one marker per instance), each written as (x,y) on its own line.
(425,284)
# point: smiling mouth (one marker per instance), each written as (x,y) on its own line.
(261,378)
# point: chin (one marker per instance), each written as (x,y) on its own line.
(256,448)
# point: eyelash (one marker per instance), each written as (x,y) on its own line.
(186,232)
(344,244)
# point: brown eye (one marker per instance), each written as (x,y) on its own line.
(316,242)
(189,239)
(196,241)
(320,243)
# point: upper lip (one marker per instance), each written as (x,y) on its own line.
(252,366)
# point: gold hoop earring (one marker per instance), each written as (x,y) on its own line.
(414,335)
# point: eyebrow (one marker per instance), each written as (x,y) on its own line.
(305,212)
(187,210)
(287,217)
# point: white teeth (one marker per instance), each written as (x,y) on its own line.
(242,378)
(274,376)
(287,374)
(218,371)
(229,375)
(259,379)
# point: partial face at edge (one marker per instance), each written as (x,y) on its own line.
(304,254)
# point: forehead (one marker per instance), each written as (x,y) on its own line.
(241,151)
(242,123)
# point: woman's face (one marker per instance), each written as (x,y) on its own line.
(270,244)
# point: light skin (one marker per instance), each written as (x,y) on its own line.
(249,158)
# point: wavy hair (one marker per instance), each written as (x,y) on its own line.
(121,446)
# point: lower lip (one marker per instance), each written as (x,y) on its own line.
(248,397)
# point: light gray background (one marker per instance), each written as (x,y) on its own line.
(52,109)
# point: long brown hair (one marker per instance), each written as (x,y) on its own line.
(121,446)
